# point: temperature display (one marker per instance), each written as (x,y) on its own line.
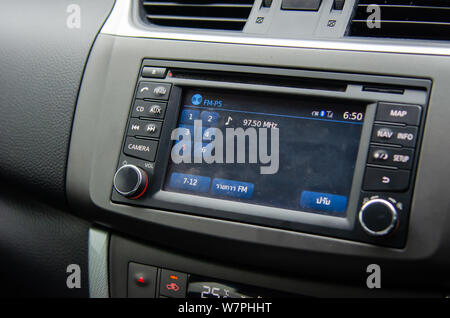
(202,287)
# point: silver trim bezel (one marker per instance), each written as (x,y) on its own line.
(121,22)
(98,263)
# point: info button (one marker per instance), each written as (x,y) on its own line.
(323,202)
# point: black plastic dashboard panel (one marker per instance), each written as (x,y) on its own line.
(41,65)
(124,250)
(37,244)
(42,59)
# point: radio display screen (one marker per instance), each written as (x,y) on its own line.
(283,151)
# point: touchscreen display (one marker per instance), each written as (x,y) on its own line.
(286,151)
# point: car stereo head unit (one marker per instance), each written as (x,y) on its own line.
(324,153)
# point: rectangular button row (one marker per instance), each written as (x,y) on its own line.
(142,148)
(394,135)
(140,125)
(143,282)
(153,90)
(379,179)
(142,108)
(144,128)
(219,187)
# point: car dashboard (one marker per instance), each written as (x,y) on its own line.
(217,149)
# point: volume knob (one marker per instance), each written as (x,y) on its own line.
(130,181)
(378,217)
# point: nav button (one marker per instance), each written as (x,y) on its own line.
(386,180)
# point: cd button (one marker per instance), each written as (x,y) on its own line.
(403,136)
(386,180)
(403,114)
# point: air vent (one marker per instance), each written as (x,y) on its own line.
(199,14)
(409,19)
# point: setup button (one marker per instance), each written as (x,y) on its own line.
(324,202)
(396,157)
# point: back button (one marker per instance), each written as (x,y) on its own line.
(386,180)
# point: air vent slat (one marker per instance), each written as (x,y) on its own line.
(206,14)
(409,19)
(173,17)
(433,3)
(210,5)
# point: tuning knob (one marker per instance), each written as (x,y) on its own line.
(130,181)
(378,217)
